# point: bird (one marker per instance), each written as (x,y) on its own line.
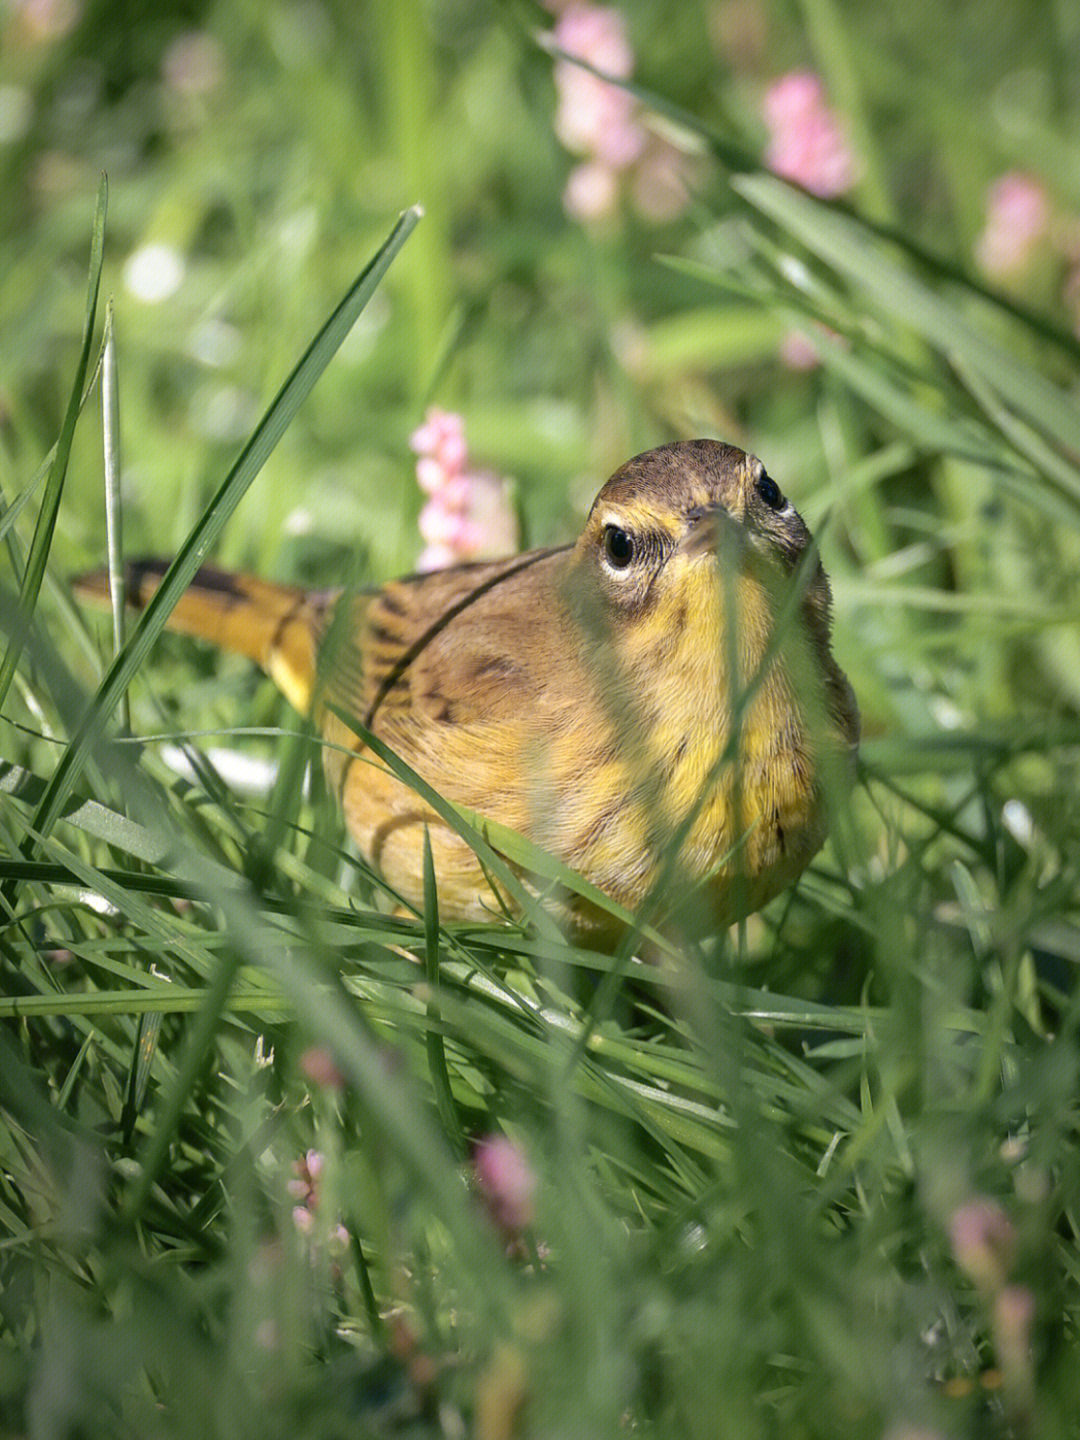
(657,705)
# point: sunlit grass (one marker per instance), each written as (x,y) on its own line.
(755,1160)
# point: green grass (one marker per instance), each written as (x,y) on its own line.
(751,1156)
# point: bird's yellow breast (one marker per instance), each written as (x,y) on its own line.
(679,728)
(715,747)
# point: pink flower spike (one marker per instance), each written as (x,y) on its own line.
(452,451)
(436,557)
(437,524)
(439,427)
(422,439)
(620,142)
(591,193)
(466,537)
(596,33)
(456,494)
(507,1181)
(798,351)
(1017,218)
(431,475)
(806,143)
(794,99)
(982,1242)
(596,119)
(468,513)
(445,424)
(317,1065)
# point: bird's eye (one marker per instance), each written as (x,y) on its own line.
(770,492)
(618,547)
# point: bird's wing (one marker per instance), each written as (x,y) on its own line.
(463,645)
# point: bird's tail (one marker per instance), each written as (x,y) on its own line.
(277,626)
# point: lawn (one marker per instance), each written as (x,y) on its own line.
(279,1157)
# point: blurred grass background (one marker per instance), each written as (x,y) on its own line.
(818,1179)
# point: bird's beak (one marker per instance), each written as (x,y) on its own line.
(712,530)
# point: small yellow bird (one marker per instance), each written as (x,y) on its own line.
(667,680)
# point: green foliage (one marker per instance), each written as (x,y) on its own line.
(804,1179)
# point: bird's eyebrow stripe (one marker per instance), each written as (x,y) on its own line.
(644,524)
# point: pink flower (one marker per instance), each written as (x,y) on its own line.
(468,515)
(806,143)
(436,557)
(982,1242)
(1014,1315)
(798,351)
(442,438)
(307,1174)
(439,524)
(1017,218)
(456,492)
(306,1188)
(592,192)
(317,1065)
(595,118)
(431,474)
(602,123)
(507,1182)
(596,33)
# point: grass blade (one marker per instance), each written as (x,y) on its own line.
(484,852)
(436,1050)
(54,485)
(844,243)
(110,419)
(232,490)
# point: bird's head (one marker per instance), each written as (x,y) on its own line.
(684,535)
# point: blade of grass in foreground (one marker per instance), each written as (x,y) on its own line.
(54,485)
(86,815)
(110,416)
(232,490)
(15,509)
(440,1076)
(494,863)
(841,242)
(494,844)
(318,1000)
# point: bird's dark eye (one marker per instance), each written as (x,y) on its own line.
(618,547)
(770,492)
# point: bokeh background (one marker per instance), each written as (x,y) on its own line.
(255,154)
(828,1187)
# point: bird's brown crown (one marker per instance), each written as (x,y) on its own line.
(664,511)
